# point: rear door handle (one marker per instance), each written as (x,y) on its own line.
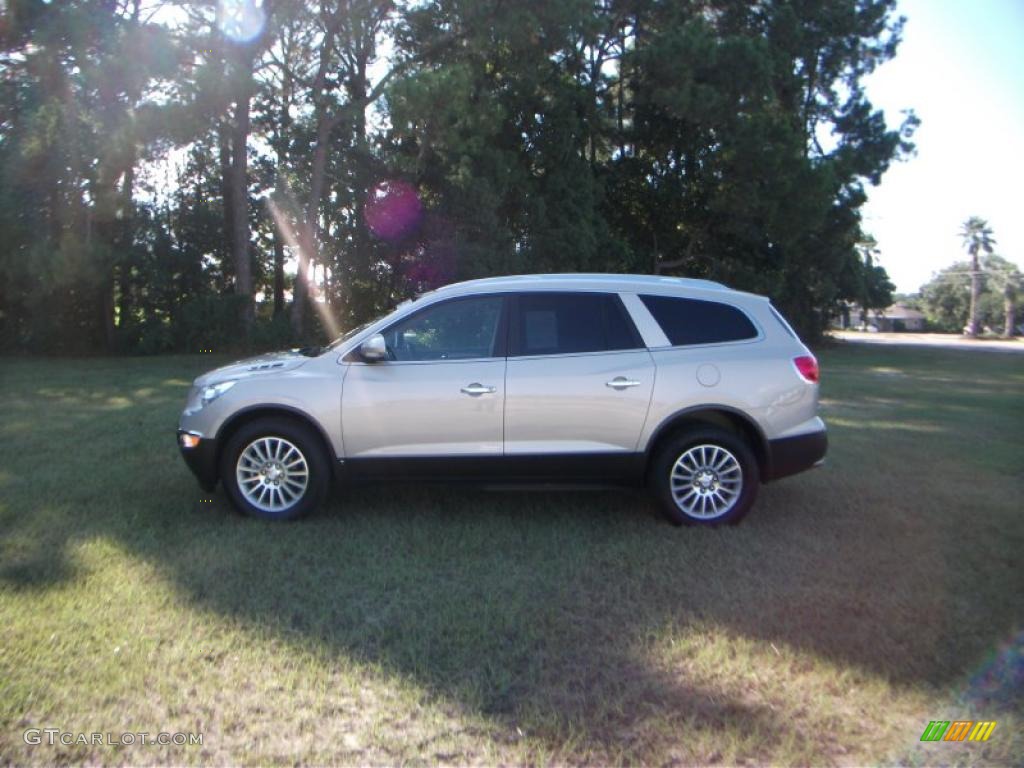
(621,382)
(475,389)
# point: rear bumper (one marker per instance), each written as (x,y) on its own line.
(202,460)
(791,455)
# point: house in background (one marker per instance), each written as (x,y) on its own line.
(898,318)
(891,319)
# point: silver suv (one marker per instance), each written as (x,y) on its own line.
(696,390)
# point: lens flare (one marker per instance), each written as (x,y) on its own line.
(242,20)
(1001,675)
(291,238)
(392,210)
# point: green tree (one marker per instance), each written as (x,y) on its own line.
(977,239)
(656,136)
(80,107)
(1007,279)
(876,289)
(720,139)
(761,202)
(946,298)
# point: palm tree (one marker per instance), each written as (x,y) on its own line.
(977,237)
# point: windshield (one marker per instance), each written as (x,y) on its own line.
(350,333)
(360,328)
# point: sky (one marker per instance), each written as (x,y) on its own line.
(961,69)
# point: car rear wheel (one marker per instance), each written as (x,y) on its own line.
(706,476)
(275,468)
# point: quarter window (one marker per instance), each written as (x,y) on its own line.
(551,323)
(462,329)
(693,321)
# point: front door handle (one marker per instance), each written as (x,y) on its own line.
(475,389)
(621,382)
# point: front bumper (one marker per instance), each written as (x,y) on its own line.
(791,455)
(202,460)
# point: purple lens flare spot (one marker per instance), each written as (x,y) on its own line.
(393,210)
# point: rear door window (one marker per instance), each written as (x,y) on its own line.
(552,323)
(695,321)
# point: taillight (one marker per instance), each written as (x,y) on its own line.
(808,367)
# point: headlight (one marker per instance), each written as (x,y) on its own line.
(210,393)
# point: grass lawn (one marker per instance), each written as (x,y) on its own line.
(422,625)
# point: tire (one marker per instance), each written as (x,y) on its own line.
(271,457)
(720,496)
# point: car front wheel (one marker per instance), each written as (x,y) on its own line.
(275,468)
(706,476)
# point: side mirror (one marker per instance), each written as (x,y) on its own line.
(374,349)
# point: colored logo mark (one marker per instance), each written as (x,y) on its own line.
(958,730)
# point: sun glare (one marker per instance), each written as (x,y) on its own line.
(284,226)
(242,20)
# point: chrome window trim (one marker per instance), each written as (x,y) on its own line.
(390,363)
(604,352)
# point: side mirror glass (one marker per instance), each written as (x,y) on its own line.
(374,349)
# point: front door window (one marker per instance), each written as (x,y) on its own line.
(464,329)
